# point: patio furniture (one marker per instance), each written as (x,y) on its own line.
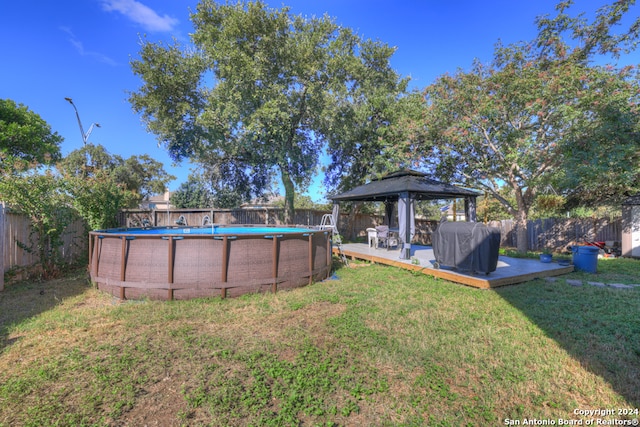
(372,235)
(387,238)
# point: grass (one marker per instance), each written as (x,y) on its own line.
(379,347)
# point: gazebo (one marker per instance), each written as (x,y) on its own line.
(405,187)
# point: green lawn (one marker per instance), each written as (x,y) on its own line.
(377,347)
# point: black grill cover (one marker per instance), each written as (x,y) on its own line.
(467,246)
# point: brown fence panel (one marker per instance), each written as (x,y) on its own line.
(196,217)
(558,233)
(555,233)
(18,234)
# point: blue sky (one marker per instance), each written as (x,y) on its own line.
(82,48)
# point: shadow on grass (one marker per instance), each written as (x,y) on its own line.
(598,326)
(27,299)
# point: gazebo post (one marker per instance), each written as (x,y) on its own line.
(406,201)
(388,212)
(335,213)
(470,208)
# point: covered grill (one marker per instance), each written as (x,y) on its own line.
(468,246)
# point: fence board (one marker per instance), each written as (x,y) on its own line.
(16,230)
(353,226)
(557,233)
(194,217)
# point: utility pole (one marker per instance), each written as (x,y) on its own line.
(85,136)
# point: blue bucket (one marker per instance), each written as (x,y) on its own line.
(585,258)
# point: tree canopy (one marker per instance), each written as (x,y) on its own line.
(369,135)
(139,174)
(26,139)
(191,194)
(259,92)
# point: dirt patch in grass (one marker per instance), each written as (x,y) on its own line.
(160,404)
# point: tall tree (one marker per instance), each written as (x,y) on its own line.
(258,91)
(140,175)
(369,134)
(86,161)
(601,163)
(515,121)
(191,194)
(25,138)
(26,142)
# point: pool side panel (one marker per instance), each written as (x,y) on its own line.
(196,262)
(145,260)
(294,261)
(108,258)
(250,265)
(183,267)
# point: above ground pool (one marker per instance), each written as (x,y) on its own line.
(195,262)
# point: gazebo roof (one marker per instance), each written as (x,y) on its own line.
(390,186)
(632,200)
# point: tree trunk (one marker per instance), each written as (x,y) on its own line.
(521,214)
(351,222)
(522,236)
(289,196)
(522,244)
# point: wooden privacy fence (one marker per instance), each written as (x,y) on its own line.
(553,233)
(557,233)
(16,231)
(351,226)
(550,233)
(197,217)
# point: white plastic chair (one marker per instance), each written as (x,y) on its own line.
(372,234)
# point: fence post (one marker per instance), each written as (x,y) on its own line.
(1,246)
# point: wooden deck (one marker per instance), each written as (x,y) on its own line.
(509,271)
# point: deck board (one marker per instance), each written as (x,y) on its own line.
(509,271)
